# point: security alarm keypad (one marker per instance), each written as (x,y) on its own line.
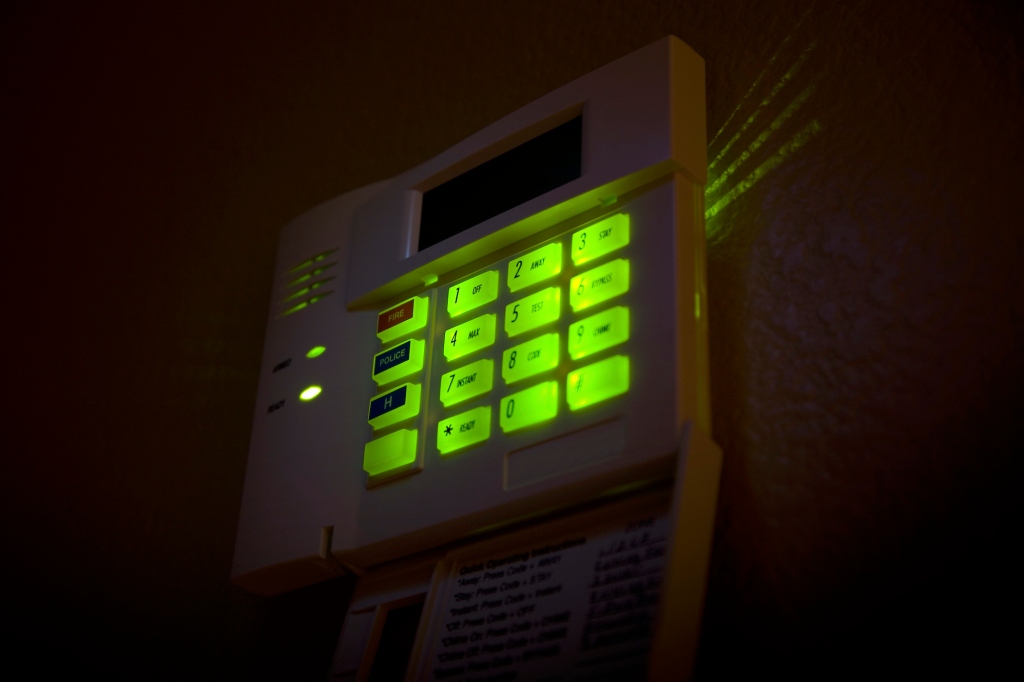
(542,331)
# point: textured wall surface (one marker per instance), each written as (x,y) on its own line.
(866,301)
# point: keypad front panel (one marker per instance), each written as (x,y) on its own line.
(512,346)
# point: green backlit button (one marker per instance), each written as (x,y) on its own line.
(599,381)
(472,293)
(390,452)
(533,311)
(394,363)
(402,319)
(530,358)
(530,406)
(600,238)
(395,406)
(536,266)
(595,333)
(463,430)
(467,382)
(600,284)
(470,336)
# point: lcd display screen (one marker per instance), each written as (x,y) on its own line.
(540,165)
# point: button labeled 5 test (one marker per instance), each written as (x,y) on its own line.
(534,311)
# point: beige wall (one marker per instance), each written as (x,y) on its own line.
(865,282)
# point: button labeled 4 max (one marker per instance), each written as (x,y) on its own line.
(470,336)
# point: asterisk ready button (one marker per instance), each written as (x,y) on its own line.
(448,430)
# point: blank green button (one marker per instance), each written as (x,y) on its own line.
(467,382)
(600,238)
(470,336)
(595,333)
(536,266)
(536,310)
(472,293)
(531,406)
(390,452)
(463,430)
(599,381)
(600,284)
(530,358)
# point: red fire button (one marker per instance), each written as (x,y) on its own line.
(402,319)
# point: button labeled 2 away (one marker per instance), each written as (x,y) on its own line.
(536,266)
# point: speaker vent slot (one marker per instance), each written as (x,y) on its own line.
(307,283)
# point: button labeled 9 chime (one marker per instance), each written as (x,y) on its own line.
(595,333)
(600,238)
(467,382)
(597,382)
(530,358)
(463,430)
(536,266)
(528,407)
(599,285)
(536,310)
(469,337)
(472,293)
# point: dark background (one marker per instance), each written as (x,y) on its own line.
(866,307)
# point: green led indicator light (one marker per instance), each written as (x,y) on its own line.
(310,393)
(536,310)
(315,352)
(536,266)
(403,319)
(467,382)
(528,407)
(469,337)
(600,238)
(463,430)
(530,358)
(398,361)
(397,405)
(388,453)
(596,333)
(472,293)
(599,285)
(597,382)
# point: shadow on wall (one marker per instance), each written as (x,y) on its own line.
(866,332)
